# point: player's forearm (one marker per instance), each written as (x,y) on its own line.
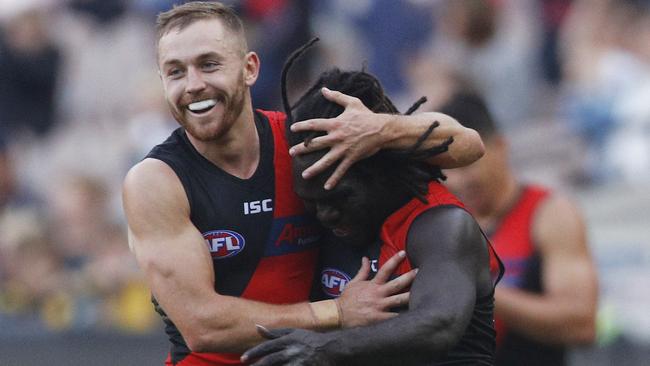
(228,325)
(411,338)
(553,320)
(404,131)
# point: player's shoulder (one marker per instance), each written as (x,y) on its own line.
(149,171)
(557,217)
(452,215)
(149,180)
(555,208)
(441,224)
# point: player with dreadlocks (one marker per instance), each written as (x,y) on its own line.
(386,204)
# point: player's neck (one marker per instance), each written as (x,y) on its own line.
(504,199)
(237,152)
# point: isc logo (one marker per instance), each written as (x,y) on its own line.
(334,281)
(254,207)
(224,243)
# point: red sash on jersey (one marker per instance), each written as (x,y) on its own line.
(295,270)
(395,229)
(513,239)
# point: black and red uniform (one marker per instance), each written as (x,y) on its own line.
(339,262)
(513,239)
(263,244)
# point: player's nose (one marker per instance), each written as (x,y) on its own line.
(195,82)
(327,215)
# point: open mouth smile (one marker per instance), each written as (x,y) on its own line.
(201,107)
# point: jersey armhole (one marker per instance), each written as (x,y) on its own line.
(185,183)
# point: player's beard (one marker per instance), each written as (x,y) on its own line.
(231,109)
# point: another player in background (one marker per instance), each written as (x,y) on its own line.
(548,297)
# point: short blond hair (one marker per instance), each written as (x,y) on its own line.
(181,16)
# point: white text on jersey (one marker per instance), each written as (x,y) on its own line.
(254,207)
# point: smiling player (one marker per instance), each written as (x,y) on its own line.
(213,221)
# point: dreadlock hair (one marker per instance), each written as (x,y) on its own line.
(408,173)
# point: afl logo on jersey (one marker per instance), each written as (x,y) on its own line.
(334,281)
(224,243)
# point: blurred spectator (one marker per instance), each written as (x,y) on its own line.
(78,221)
(106,52)
(381,35)
(23,245)
(7,178)
(607,65)
(493,45)
(554,13)
(102,11)
(29,71)
(276,28)
(149,123)
(150,8)
(74,269)
(19,208)
(32,270)
(394,31)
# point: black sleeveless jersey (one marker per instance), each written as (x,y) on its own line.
(262,243)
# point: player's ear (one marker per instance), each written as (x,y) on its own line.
(251,68)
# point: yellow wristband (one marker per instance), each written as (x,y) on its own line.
(326,313)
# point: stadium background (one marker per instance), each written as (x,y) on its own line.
(80,102)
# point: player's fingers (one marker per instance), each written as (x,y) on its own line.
(317,143)
(314,124)
(322,164)
(262,350)
(298,149)
(339,172)
(389,267)
(400,283)
(339,98)
(364,271)
(398,300)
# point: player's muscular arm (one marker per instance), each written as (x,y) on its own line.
(565,312)
(358,133)
(178,267)
(447,247)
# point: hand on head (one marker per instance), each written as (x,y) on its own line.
(355,134)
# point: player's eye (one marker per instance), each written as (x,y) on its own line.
(175,72)
(210,66)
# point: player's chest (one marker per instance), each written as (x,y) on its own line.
(339,263)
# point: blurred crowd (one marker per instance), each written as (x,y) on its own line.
(80,103)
